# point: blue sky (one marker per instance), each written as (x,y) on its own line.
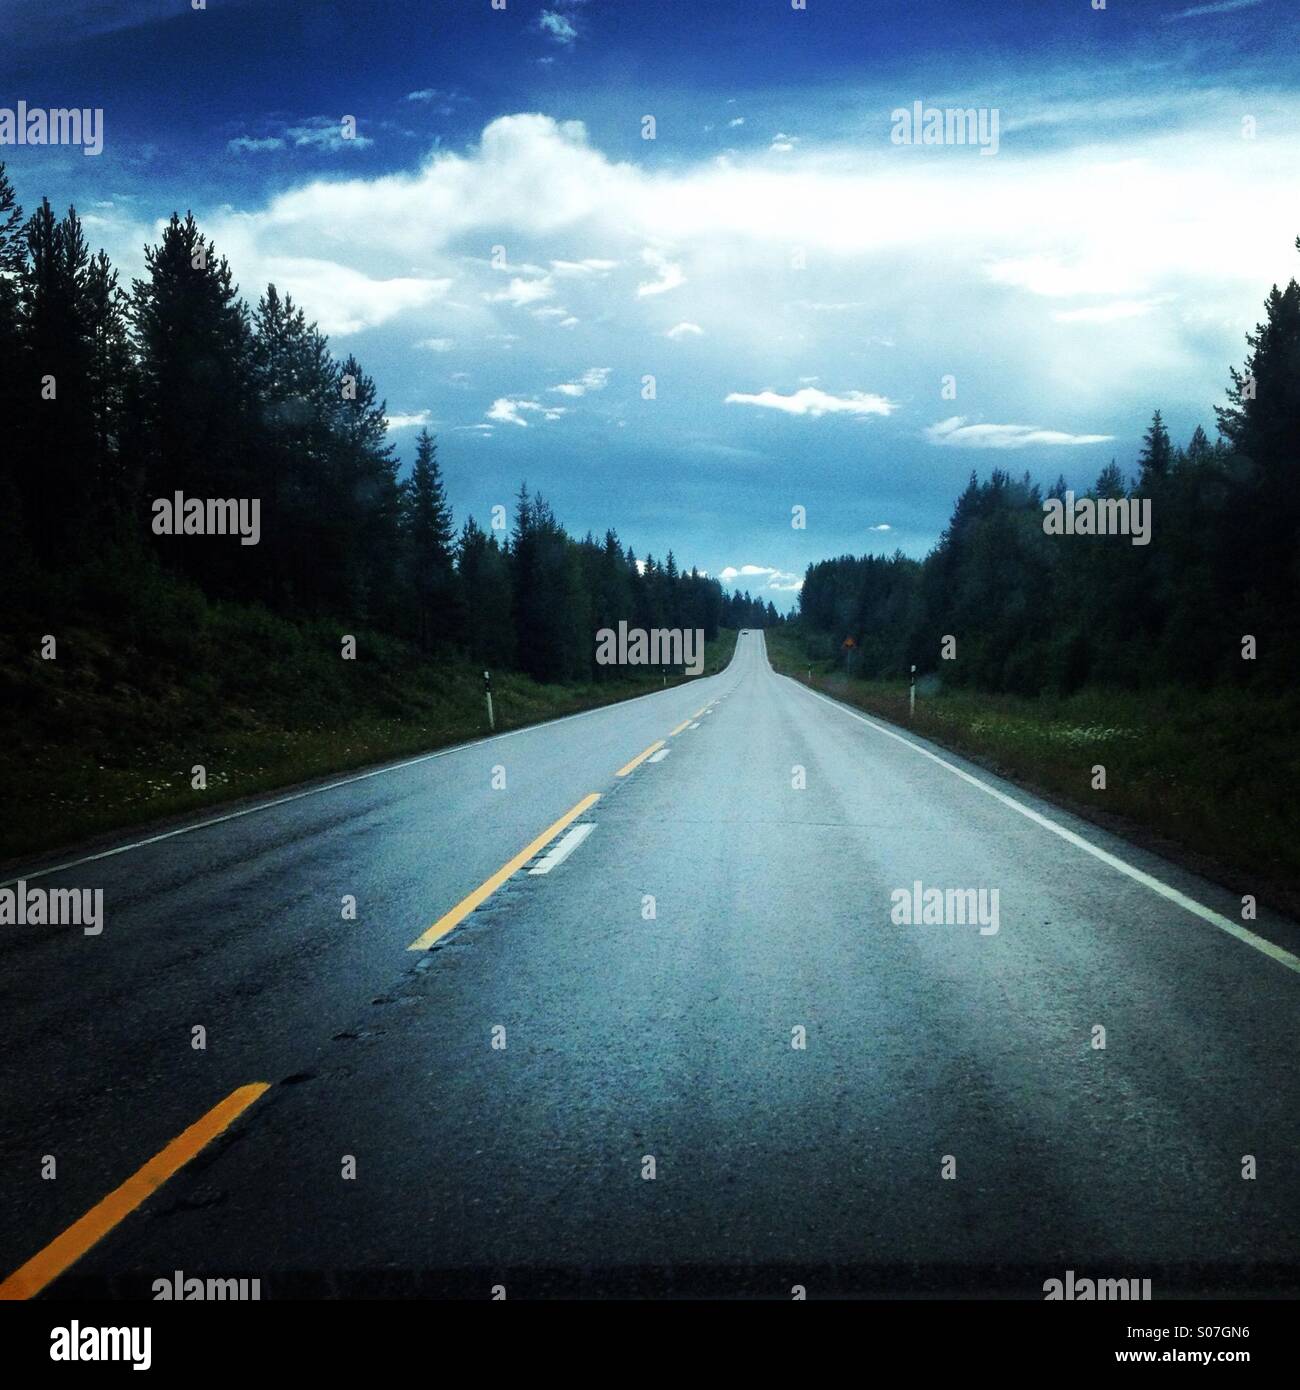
(510,257)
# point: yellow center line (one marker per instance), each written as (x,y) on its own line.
(640,758)
(68,1248)
(448,920)
(679,728)
(699,712)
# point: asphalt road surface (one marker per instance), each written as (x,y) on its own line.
(588,1079)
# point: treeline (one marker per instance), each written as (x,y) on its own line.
(113,397)
(1032,612)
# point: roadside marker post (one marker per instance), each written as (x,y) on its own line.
(487,690)
(911,695)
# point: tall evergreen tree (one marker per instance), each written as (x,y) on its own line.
(1157,454)
(427,526)
(190,332)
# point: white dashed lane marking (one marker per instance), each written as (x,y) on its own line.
(563,849)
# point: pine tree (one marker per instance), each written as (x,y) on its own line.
(190,333)
(12,420)
(429,534)
(1157,454)
(484,574)
(58,480)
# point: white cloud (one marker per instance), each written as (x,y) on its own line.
(816,403)
(590,265)
(670,276)
(557,27)
(736,121)
(522,292)
(1119,220)
(325,133)
(538,176)
(510,411)
(405,422)
(447,100)
(593,380)
(436,344)
(343,300)
(247,144)
(507,411)
(1047,275)
(684,330)
(776,579)
(1219,7)
(956,433)
(884,526)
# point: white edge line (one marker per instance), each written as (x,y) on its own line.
(332,786)
(1206,914)
(659,756)
(696,725)
(564,848)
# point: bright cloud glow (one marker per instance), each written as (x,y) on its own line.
(1109,313)
(815,403)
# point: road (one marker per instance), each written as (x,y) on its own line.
(949,1125)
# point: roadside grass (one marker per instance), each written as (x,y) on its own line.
(1210,773)
(107,736)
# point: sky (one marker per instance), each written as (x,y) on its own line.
(775,303)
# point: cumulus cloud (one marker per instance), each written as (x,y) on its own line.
(956,433)
(522,292)
(538,176)
(776,578)
(811,401)
(343,300)
(508,410)
(594,379)
(1087,234)
(670,276)
(405,422)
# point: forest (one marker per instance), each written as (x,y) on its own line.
(1210,600)
(113,397)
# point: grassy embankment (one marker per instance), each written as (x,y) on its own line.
(1210,776)
(105,736)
